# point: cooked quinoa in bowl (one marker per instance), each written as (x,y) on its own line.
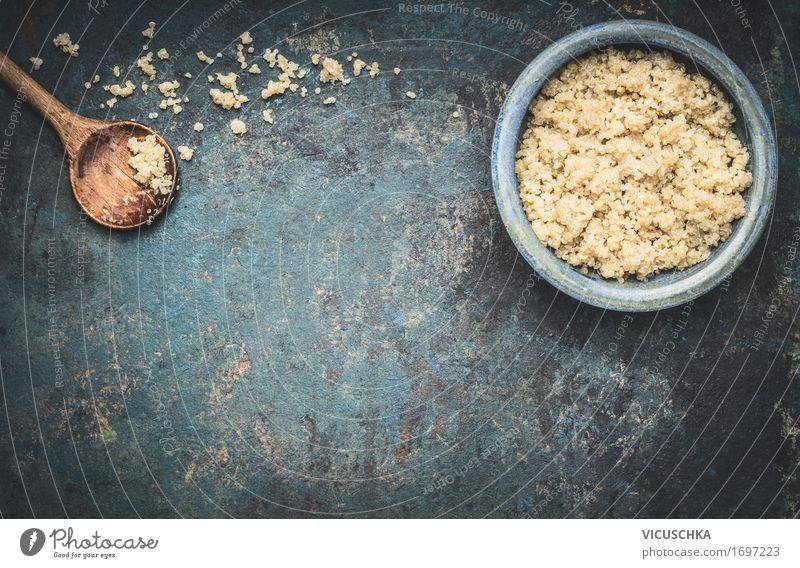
(629,164)
(634,165)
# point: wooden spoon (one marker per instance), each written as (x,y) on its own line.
(98,155)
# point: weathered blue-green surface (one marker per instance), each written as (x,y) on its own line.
(332,321)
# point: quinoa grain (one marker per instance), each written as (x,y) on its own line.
(628,165)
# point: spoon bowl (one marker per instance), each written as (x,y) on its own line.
(103,183)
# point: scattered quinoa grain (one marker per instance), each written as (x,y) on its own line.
(145,63)
(64,43)
(332,71)
(150,30)
(228,81)
(168,102)
(227,99)
(358,66)
(168,88)
(240,56)
(238,127)
(204,58)
(125,90)
(230,98)
(275,88)
(185,153)
(288,68)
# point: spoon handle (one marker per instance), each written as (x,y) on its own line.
(72,128)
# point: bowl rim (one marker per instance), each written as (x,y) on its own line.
(760,195)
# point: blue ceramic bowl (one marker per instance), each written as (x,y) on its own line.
(752,126)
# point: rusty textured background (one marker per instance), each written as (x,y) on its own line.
(331,321)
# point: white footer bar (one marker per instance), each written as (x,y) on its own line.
(408,543)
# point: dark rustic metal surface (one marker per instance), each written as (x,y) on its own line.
(331,319)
